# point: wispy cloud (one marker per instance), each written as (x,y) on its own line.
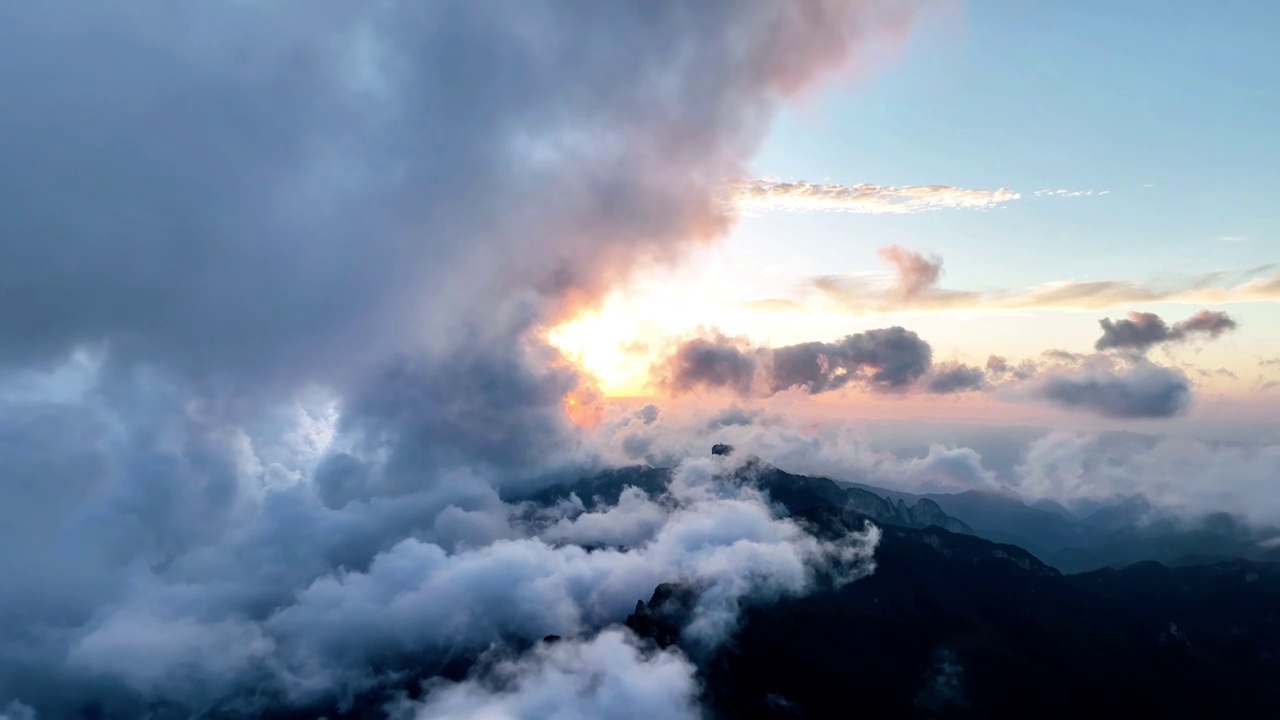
(909,289)
(762,195)
(1070,193)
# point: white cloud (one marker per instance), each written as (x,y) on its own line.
(1186,477)
(766,195)
(1069,193)
(606,676)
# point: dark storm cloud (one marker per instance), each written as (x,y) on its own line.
(1141,391)
(1141,330)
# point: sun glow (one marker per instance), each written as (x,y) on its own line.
(615,359)
(583,406)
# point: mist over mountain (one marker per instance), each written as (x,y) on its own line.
(948,624)
(516,359)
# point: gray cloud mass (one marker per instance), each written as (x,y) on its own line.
(1143,330)
(273,274)
(1140,391)
(884,359)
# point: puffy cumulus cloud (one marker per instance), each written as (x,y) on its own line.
(1111,386)
(1142,390)
(999,368)
(717,536)
(886,359)
(1139,332)
(634,520)
(269,621)
(896,360)
(769,195)
(711,362)
(306,251)
(952,377)
(1143,330)
(1188,477)
(606,676)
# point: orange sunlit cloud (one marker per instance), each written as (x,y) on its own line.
(583,405)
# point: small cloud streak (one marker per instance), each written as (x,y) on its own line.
(800,196)
(1070,193)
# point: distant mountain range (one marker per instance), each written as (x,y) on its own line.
(796,493)
(963,619)
(1114,536)
(951,625)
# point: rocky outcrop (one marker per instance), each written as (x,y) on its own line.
(801,493)
(667,611)
(927,512)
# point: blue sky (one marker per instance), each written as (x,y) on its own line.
(1090,95)
(1169,108)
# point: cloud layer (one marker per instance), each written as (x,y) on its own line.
(1115,385)
(1178,475)
(885,360)
(915,285)
(608,676)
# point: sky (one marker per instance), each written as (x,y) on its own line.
(302,303)
(1157,127)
